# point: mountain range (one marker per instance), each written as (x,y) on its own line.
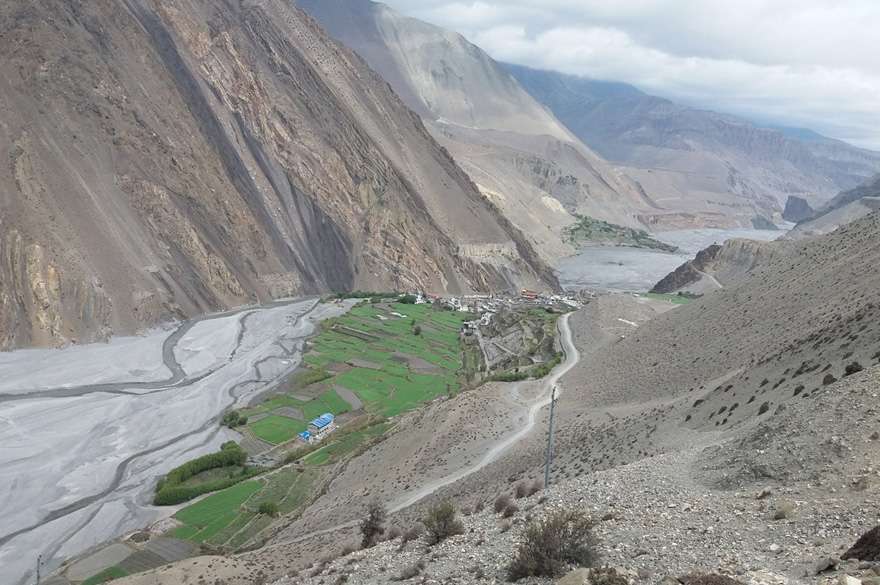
(700,168)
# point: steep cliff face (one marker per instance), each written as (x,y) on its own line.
(519,154)
(163,159)
(700,167)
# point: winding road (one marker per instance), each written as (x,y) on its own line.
(78,462)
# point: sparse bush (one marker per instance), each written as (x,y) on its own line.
(442,522)
(501,502)
(853,368)
(268,509)
(549,546)
(411,571)
(417,330)
(373,526)
(828,380)
(393,533)
(764,408)
(536,486)
(607,576)
(347,550)
(412,534)
(510,510)
(783,511)
(521,490)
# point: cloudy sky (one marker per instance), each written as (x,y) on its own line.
(808,63)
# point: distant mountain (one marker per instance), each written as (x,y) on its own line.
(699,166)
(847,207)
(165,159)
(522,158)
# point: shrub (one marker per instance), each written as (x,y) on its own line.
(417,330)
(412,534)
(233,419)
(268,509)
(510,511)
(347,550)
(853,368)
(393,533)
(607,576)
(373,526)
(764,408)
(783,511)
(407,300)
(550,545)
(521,490)
(535,487)
(501,502)
(442,522)
(828,380)
(411,571)
(866,548)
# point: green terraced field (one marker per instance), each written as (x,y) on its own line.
(206,518)
(362,351)
(106,576)
(230,517)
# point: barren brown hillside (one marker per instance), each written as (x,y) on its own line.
(165,159)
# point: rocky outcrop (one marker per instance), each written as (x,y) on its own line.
(716,267)
(164,159)
(797,209)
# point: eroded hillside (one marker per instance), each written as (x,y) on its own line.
(164,159)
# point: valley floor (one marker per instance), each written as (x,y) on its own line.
(79,460)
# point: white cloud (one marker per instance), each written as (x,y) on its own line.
(807,63)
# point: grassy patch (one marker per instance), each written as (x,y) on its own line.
(106,575)
(215,512)
(590,230)
(277,429)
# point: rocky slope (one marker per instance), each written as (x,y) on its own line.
(717,266)
(848,206)
(164,159)
(700,167)
(797,209)
(522,158)
(736,434)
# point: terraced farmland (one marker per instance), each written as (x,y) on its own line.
(383,358)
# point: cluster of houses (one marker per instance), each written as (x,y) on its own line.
(319,428)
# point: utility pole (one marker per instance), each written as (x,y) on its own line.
(39,562)
(549,456)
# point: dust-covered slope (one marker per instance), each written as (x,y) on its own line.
(163,159)
(701,167)
(805,316)
(517,152)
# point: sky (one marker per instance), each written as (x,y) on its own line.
(802,63)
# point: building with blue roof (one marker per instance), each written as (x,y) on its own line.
(319,428)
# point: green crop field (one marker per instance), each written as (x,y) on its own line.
(391,363)
(106,576)
(212,514)
(230,517)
